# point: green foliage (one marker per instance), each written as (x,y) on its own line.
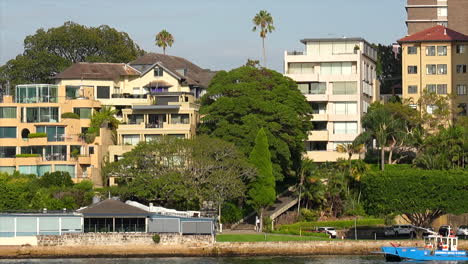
(308,215)
(37,135)
(265,237)
(264,21)
(240,102)
(58,179)
(105,116)
(27,155)
(70,115)
(164,39)
(50,51)
(388,68)
(338,224)
(156,238)
(231,213)
(419,195)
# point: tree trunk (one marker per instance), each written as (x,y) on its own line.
(164,50)
(261,220)
(264,56)
(219,214)
(299,201)
(382,158)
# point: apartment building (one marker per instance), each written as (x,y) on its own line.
(38,134)
(436,60)
(338,78)
(424,14)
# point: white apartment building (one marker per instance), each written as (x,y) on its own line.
(338,78)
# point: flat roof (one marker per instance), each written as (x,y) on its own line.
(332,39)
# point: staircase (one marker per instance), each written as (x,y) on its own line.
(283,203)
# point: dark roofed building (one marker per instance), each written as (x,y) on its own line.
(97,71)
(435,34)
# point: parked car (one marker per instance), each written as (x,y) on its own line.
(462,230)
(444,230)
(404,230)
(388,231)
(331,231)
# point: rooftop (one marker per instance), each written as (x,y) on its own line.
(437,33)
(96,70)
(343,39)
(111,207)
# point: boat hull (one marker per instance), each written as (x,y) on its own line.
(413,253)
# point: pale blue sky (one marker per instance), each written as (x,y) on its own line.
(214,34)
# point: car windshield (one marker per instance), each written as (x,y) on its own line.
(331,229)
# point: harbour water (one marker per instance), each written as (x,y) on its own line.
(223,260)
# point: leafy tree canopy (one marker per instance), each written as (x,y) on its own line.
(50,51)
(240,102)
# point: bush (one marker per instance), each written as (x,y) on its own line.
(27,155)
(37,135)
(308,215)
(156,238)
(230,213)
(70,115)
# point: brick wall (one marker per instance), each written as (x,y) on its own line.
(458,16)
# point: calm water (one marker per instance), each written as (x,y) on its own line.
(226,260)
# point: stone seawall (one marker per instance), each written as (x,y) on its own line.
(110,239)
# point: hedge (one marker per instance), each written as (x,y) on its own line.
(70,115)
(306,227)
(37,135)
(27,155)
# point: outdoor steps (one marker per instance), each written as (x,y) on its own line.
(244,227)
(283,203)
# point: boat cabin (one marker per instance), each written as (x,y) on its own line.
(438,242)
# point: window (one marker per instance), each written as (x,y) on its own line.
(430,51)
(304,88)
(460,49)
(66,168)
(135,119)
(7,152)
(442,11)
(41,93)
(461,68)
(319,125)
(431,88)
(83,112)
(316,145)
(462,109)
(7,112)
(42,114)
(431,108)
(345,108)
(32,150)
(412,89)
(412,106)
(431,69)
(301,68)
(91,150)
(55,152)
(7,132)
(72,92)
(319,108)
(341,88)
(54,133)
(149,138)
(441,50)
(336,68)
(461,89)
(318,88)
(158,72)
(441,68)
(345,128)
(103,92)
(131,139)
(441,89)
(179,119)
(413,50)
(412,69)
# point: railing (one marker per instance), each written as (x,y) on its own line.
(295,53)
(130,96)
(154,125)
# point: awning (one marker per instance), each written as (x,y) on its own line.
(159,83)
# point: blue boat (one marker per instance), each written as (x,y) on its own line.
(436,247)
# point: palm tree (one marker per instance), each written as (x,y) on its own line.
(264,21)
(164,39)
(307,166)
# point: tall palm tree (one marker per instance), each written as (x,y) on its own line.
(264,21)
(164,39)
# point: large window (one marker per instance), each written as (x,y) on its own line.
(319,108)
(413,50)
(301,68)
(412,69)
(312,88)
(103,92)
(461,89)
(431,88)
(135,119)
(7,152)
(72,92)
(412,89)
(336,68)
(54,133)
(442,89)
(33,150)
(180,119)
(42,114)
(461,68)
(345,108)
(461,49)
(7,112)
(441,68)
(45,93)
(430,50)
(441,50)
(131,139)
(56,152)
(345,128)
(66,168)
(83,112)
(347,88)
(319,125)
(7,132)
(431,69)
(38,170)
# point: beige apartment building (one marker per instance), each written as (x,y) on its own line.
(424,14)
(436,60)
(338,78)
(36,137)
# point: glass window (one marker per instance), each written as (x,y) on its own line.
(36,93)
(179,118)
(7,132)
(345,108)
(462,109)
(158,72)
(54,133)
(28,169)
(149,138)
(318,108)
(42,169)
(442,89)
(301,68)
(412,89)
(412,69)
(8,169)
(431,69)
(103,92)
(412,50)
(430,51)
(66,168)
(430,109)
(7,152)
(461,68)
(461,89)
(91,150)
(135,119)
(318,88)
(32,150)
(131,139)
(303,87)
(72,92)
(42,114)
(340,88)
(336,68)
(431,88)
(460,49)
(56,152)
(441,50)
(441,68)
(344,127)
(83,112)
(7,112)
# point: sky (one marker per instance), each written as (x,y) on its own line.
(214,34)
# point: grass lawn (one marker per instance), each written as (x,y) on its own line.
(261,237)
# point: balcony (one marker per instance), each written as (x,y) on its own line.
(327,155)
(318,135)
(154,125)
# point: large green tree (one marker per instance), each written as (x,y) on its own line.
(388,68)
(264,22)
(50,51)
(262,188)
(418,195)
(240,102)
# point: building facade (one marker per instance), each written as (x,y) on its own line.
(41,131)
(424,14)
(338,78)
(435,60)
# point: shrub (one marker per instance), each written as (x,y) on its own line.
(27,155)
(308,215)
(156,238)
(70,115)
(230,213)
(37,135)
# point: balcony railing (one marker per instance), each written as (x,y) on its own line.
(154,125)
(130,96)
